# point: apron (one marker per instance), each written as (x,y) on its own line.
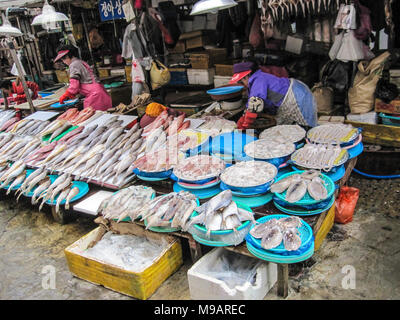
(298,106)
(95,94)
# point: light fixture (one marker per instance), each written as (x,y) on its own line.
(211,6)
(49,17)
(7,29)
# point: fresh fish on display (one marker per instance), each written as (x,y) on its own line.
(5,139)
(18,180)
(291,239)
(12,173)
(220,213)
(73,193)
(215,125)
(175,125)
(282,185)
(259,230)
(175,206)
(42,186)
(316,189)
(126,202)
(267,149)
(199,167)
(249,174)
(284,133)
(64,193)
(296,191)
(333,133)
(272,238)
(9,123)
(32,183)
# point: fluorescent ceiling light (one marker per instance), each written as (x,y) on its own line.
(211,6)
(8,30)
(48,17)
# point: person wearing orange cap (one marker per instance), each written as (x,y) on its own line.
(82,81)
(289,99)
(153,110)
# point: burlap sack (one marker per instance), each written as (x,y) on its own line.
(323,97)
(361,95)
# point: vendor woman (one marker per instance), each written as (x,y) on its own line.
(289,99)
(16,90)
(83,81)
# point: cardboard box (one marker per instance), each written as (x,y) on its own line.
(208,58)
(225,70)
(139,285)
(201,76)
(393,107)
(179,48)
(197,42)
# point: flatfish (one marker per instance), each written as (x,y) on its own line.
(317,190)
(291,239)
(272,238)
(296,191)
(259,230)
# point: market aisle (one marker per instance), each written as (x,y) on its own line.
(30,240)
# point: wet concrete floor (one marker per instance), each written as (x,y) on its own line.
(31,241)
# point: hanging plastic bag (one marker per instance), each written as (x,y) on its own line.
(345,204)
(159,75)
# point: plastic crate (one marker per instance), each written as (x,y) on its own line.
(178,76)
(138,285)
(390,120)
(202,286)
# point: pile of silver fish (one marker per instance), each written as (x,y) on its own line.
(319,157)
(297,185)
(7,115)
(26,127)
(221,213)
(274,231)
(98,153)
(249,174)
(284,133)
(267,149)
(332,133)
(45,190)
(14,148)
(199,167)
(126,202)
(171,210)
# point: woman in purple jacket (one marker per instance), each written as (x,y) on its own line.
(289,99)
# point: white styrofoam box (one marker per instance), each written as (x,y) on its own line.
(204,287)
(117,72)
(199,23)
(91,204)
(201,76)
(369,117)
(221,81)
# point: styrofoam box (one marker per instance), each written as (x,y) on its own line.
(204,287)
(369,117)
(199,23)
(221,81)
(201,76)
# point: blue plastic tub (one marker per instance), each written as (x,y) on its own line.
(390,120)
(264,188)
(224,90)
(161,174)
(229,146)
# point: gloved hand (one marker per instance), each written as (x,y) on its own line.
(246,121)
(66,96)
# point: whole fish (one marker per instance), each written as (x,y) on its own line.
(9,123)
(32,183)
(89,164)
(57,188)
(53,127)
(64,193)
(282,185)
(291,239)
(125,163)
(113,136)
(55,183)
(6,139)
(18,180)
(272,238)
(71,134)
(15,173)
(73,193)
(11,169)
(40,128)
(43,185)
(296,191)
(57,150)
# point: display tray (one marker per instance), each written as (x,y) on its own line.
(299,212)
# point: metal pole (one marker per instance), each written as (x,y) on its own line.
(21,74)
(88,43)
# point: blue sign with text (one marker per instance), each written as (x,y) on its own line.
(111,9)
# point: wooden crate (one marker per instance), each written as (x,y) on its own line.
(208,58)
(180,47)
(104,72)
(393,107)
(138,285)
(379,134)
(197,42)
(225,70)
(62,76)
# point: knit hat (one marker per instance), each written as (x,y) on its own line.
(154,109)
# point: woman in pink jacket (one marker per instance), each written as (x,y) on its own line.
(83,81)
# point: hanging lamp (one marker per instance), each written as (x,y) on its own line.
(49,17)
(211,6)
(7,29)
